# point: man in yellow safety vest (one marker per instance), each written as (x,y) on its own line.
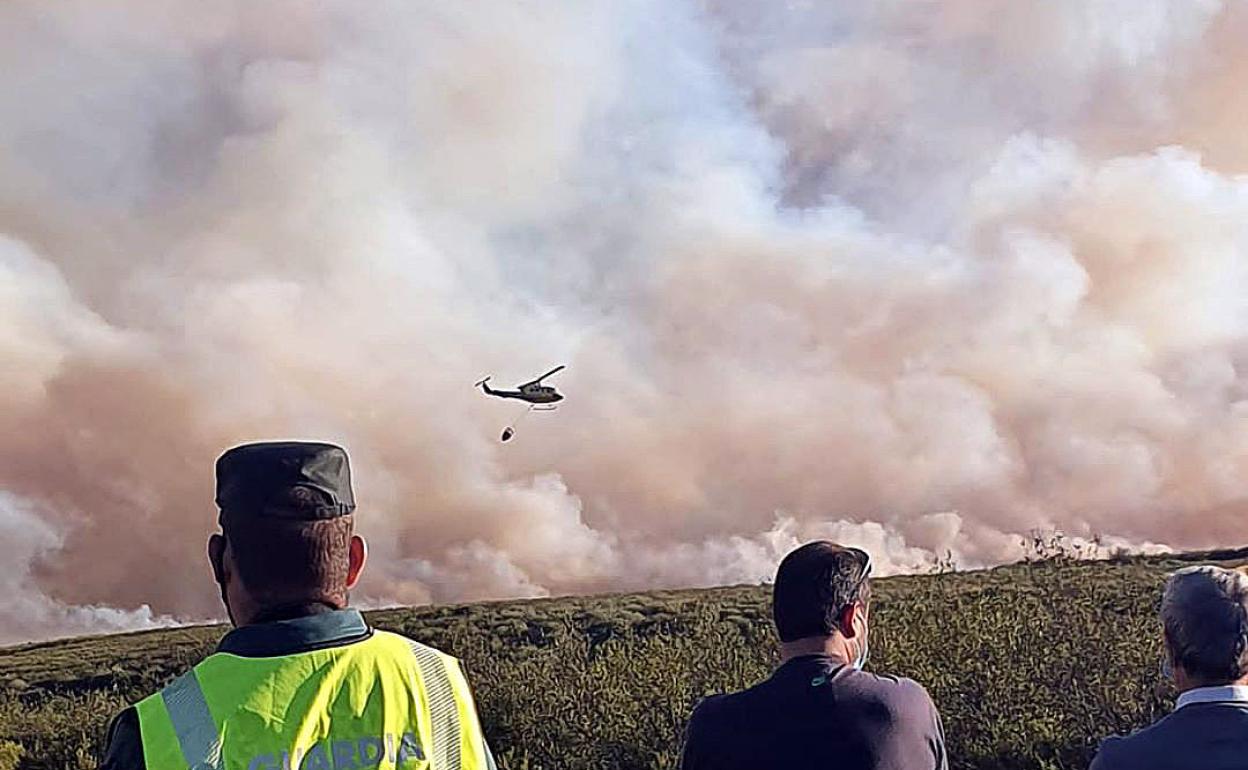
(302,682)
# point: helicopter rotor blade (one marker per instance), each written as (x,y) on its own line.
(538,381)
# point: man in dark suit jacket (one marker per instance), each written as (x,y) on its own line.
(819,709)
(1204,613)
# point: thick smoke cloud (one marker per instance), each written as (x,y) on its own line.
(916,276)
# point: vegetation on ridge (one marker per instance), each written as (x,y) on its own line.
(1030,665)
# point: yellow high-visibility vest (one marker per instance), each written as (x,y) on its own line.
(384,702)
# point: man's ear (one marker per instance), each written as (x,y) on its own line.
(216,557)
(358,554)
(847,618)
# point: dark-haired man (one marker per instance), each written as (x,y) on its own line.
(1204,619)
(819,709)
(302,682)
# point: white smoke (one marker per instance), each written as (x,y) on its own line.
(921,277)
(28,613)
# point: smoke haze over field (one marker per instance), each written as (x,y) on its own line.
(919,276)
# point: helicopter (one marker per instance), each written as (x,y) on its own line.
(539,397)
(533,391)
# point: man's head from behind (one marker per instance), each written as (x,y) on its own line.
(820,600)
(1204,612)
(287,528)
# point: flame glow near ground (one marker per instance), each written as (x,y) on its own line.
(919,276)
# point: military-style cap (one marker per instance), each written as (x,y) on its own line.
(256,480)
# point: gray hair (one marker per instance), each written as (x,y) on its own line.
(1205,614)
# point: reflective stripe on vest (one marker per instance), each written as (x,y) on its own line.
(442,707)
(198,736)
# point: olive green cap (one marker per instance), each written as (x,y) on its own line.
(257,481)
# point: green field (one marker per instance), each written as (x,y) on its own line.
(1030,665)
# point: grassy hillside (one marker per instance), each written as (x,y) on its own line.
(1030,665)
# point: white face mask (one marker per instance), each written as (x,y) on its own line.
(864,648)
(861,659)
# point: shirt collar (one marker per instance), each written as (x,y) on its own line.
(1236,694)
(288,637)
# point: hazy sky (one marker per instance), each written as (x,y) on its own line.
(919,276)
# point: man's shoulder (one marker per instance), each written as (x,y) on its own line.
(899,694)
(716,709)
(714,706)
(125,743)
(1145,747)
(431,661)
(1138,749)
(400,643)
(890,684)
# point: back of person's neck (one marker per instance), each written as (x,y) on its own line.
(832,646)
